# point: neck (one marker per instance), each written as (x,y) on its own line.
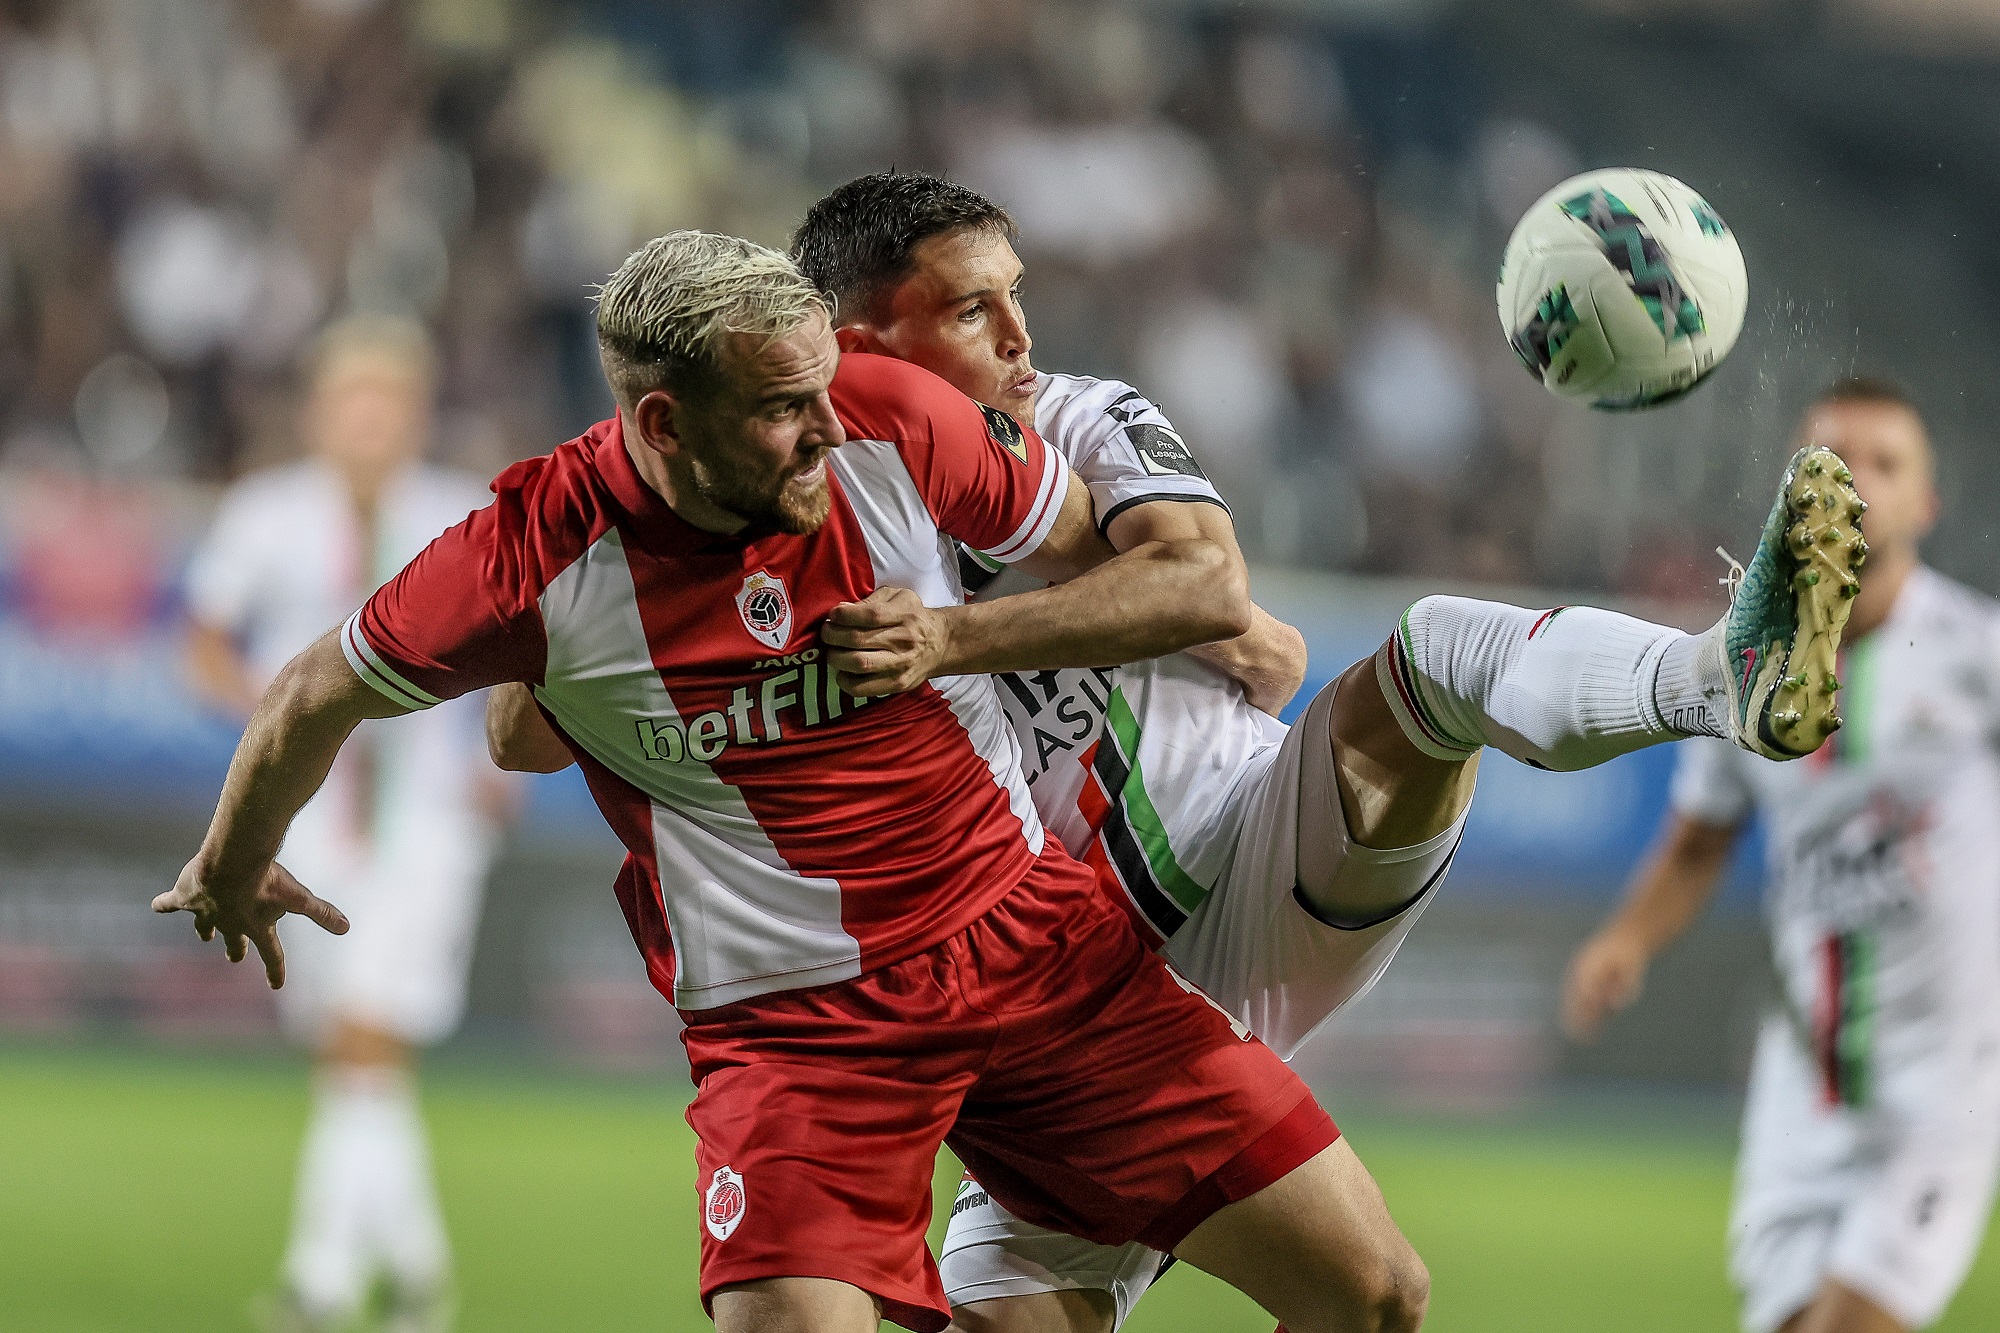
(1881,584)
(364,486)
(679,491)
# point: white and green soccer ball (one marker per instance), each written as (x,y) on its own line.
(1622,289)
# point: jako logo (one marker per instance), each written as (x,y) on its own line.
(723,1209)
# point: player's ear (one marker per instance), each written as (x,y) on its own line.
(656,420)
(857,338)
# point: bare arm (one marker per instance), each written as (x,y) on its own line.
(233,884)
(1156,598)
(218,670)
(1672,887)
(1269,661)
(518,737)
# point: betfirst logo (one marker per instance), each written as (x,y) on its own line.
(802,694)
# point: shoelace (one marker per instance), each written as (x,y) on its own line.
(1734,578)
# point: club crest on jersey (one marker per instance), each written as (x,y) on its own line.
(1006,432)
(766,609)
(722,1210)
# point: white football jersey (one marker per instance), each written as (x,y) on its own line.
(283,564)
(1883,893)
(1131,767)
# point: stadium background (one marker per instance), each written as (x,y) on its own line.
(1282,217)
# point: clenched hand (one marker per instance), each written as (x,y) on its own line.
(888,643)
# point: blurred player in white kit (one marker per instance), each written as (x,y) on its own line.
(402,833)
(1872,1131)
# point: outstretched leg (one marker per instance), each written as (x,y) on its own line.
(1572,687)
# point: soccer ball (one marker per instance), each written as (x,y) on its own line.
(1622,289)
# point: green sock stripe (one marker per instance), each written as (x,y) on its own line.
(1854,1046)
(1140,813)
(1403,666)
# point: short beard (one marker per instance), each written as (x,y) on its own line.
(790,509)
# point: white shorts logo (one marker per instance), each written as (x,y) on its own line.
(723,1209)
(766,609)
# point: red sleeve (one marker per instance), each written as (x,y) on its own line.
(460,617)
(986,481)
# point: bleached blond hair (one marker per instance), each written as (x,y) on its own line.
(662,317)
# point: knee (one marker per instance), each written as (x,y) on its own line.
(1396,1295)
(1391,1294)
(1403,1308)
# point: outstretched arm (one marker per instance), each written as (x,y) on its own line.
(233,884)
(1115,606)
(1673,886)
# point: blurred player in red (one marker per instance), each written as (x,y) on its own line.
(1871,1132)
(738,604)
(400,833)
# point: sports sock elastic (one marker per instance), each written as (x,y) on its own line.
(366,1205)
(1562,689)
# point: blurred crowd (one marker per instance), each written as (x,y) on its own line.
(1282,228)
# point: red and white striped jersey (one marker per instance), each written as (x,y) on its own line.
(780,832)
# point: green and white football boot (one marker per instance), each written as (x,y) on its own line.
(1781,637)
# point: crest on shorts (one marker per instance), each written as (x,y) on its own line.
(1006,432)
(722,1210)
(766,609)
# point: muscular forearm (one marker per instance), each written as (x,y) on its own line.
(1154,599)
(1673,888)
(287,748)
(217,670)
(1269,662)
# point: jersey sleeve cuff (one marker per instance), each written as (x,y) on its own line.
(1034,529)
(1180,497)
(382,677)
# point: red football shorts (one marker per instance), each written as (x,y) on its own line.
(1084,1085)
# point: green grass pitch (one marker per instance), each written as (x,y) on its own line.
(147,1193)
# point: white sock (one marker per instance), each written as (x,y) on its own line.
(366,1204)
(1562,689)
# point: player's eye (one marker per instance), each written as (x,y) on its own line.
(971,312)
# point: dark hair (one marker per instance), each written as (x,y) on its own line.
(856,243)
(1867,389)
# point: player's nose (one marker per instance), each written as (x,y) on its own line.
(1014,340)
(824,430)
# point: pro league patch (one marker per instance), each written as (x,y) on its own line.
(1006,432)
(1163,452)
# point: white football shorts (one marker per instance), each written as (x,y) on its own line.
(1893,1206)
(403,964)
(1254,949)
